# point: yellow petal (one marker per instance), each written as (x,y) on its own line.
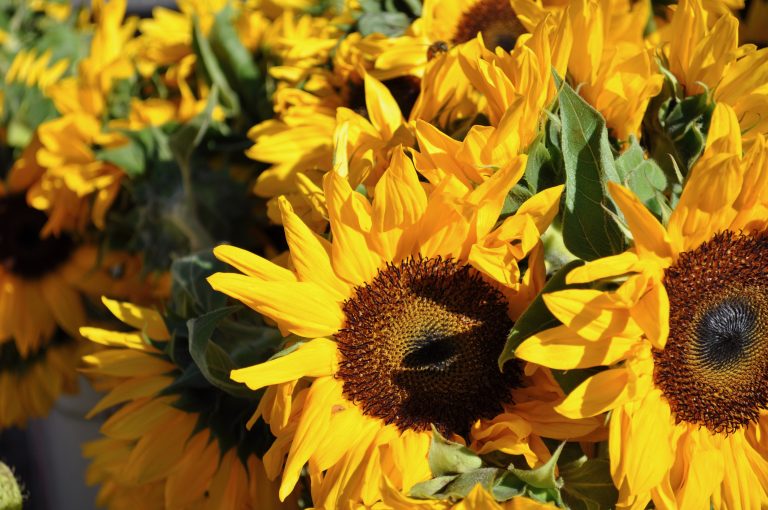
(605,267)
(591,314)
(310,254)
(651,313)
(559,348)
(542,207)
(145,320)
(350,217)
(315,358)
(382,108)
(599,393)
(302,308)
(649,235)
(312,427)
(252,264)
(648,454)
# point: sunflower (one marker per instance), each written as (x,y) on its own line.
(30,384)
(519,84)
(64,176)
(683,333)
(44,279)
(109,61)
(167,444)
(447,23)
(397,324)
(610,65)
(708,57)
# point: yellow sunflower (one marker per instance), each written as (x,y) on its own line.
(684,335)
(30,384)
(610,65)
(709,57)
(44,279)
(519,84)
(446,23)
(63,175)
(398,324)
(160,450)
(109,60)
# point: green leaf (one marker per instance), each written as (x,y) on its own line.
(431,488)
(449,458)
(542,477)
(212,69)
(514,199)
(589,227)
(10,493)
(213,361)
(465,482)
(643,176)
(129,157)
(588,485)
(238,66)
(191,293)
(391,24)
(537,316)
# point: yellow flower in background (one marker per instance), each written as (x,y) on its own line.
(63,175)
(445,23)
(404,314)
(683,334)
(610,65)
(30,384)
(109,60)
(705,54)
(35,70)
(155,452)
(520,83)
(44,279)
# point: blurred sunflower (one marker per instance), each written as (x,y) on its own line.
(405,314)
(170,443)
(108,61)
(685,335)
(64,177)
(31,383)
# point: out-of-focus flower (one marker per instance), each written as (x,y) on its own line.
(161,450)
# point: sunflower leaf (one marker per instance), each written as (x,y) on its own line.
(542,477)
(449,458)
(537,316)
(129,157)
(212,69)
(213,361)
(643,176)
(589,230)
(431,488)
(10,493)
(238,66)
(588,484)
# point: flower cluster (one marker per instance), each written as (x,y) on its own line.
(381,254)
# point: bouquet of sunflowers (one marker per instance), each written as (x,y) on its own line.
(392,254)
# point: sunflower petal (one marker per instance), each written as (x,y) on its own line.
(602,392)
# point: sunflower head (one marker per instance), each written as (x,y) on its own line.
(714,366)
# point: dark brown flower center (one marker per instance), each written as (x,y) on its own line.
(495,19)
(714,368)
(22,251)
(421,345)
